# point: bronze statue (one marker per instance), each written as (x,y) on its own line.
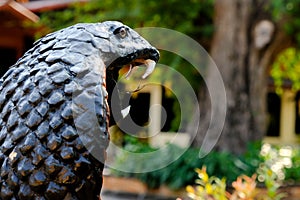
(50,147)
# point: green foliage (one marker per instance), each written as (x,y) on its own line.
(134,144)
(251,159)
(289,10)
(258,159)
(286,68)
(292,173)
(191,17)
(181,172)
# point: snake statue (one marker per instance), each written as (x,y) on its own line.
(55,110)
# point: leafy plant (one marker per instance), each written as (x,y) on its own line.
(292,173)
(168,13)
(286,68)
(259,159)
(287,10)
(213,188)
(208,188)
(276,159)
(244,188)
(181,172)
(271,182)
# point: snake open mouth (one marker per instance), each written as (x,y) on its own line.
(149,64)
(145,57)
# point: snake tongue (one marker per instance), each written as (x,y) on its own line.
(150,65)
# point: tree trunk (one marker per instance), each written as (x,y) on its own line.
(243,46)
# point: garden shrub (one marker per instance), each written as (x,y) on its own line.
(181,172)
(258,159)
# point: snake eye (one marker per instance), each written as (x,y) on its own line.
(121,32)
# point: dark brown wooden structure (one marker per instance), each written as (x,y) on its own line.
(15,36)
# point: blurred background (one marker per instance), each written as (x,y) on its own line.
(255,45)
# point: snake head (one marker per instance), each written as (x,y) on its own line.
(122,46)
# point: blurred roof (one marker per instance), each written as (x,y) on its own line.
(13,11)
(45,5)
(20,10)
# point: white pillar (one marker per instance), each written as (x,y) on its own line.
(155,110)
(288,117)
